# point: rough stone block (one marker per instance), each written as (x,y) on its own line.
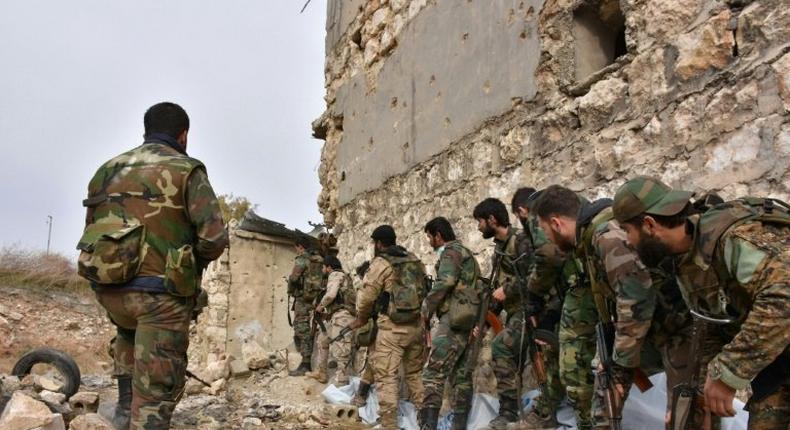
(52,397)
(238,368)
(706,48)
(85,401)
(90,422)
(24,412)
(56,424)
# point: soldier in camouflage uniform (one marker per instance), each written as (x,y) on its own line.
(733,267)
(509,348)
(360,398)
(645,308)
(455,300)
(546,290)
(338,305)
(153,223)
(305,284)
(395,284)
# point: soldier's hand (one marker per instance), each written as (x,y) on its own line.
(719,397)
(499,294)
(319,309)
(357,323)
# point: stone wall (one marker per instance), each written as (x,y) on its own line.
(699,95)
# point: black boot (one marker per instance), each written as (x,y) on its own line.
(429,418)
(361,396)
(123,410)
(459,421)
(301,370)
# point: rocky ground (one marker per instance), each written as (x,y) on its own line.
(239,398)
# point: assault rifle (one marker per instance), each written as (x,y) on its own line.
(687,398)
(482,313)
(604,332)
(317,321)
(346,330)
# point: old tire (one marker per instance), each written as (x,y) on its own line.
(58,359)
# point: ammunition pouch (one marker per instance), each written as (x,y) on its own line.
(366,335)
(463,309)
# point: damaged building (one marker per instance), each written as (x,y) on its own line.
(433,105)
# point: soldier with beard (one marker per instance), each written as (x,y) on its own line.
(544,285)
(507,349)
(733,266)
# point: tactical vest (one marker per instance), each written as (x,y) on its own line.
(313,277)
(515,245)
(603,294)
(346,298)
(140,225)
(467,280)
(408,289)
(715,292)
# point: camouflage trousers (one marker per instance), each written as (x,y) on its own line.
(577,349)
(447,360)
(151,346)
(508,357)
(340,350)
(303,338)
(554,391)
(772,412)
(367,372)
(396,345)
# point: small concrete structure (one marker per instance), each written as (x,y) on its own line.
(247,292)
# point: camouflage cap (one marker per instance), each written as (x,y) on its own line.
(648,195)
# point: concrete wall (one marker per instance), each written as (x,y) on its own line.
(701,100)
(247,298)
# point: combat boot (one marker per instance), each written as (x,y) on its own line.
(319,375)
(122,415)
(507,415)
(535,421)
(301,370)
(459,421)
(429,418)
(361,396)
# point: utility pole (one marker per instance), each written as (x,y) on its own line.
(49,234)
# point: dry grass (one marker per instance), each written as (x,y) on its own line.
(35,269)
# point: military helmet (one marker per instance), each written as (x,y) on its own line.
(648,195)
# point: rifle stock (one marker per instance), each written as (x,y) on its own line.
(604,336)
(482,316)
(538,359)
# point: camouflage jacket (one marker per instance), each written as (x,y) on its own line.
(506,253)
(456,268)
(647,304)
(739,268)
(545,275)
(306,278)
(340,294)
(160,187)
(378,282)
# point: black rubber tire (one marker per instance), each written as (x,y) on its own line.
(59,359)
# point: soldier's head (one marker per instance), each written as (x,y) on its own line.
(332,264)
(167,118)
(654,217)
(492,217)
(557,210)
(383,237)
(362,269)
(302,244)
(519,204)
(439,232)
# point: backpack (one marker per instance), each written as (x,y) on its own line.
(313,277)
(409,288)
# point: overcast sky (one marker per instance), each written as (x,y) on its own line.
(76,77)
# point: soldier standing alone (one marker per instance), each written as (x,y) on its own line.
(153,223)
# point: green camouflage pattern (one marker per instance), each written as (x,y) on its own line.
(307,277)
(648,195)
(303,335)
(456,270)
(773,412)
(151,344)
(447,362)
(577,341)
(111,250)
(407,290)
(553,391)
(508,357)
(739,267)
(512,247)
(169,194)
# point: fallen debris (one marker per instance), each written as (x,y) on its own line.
(24,413)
